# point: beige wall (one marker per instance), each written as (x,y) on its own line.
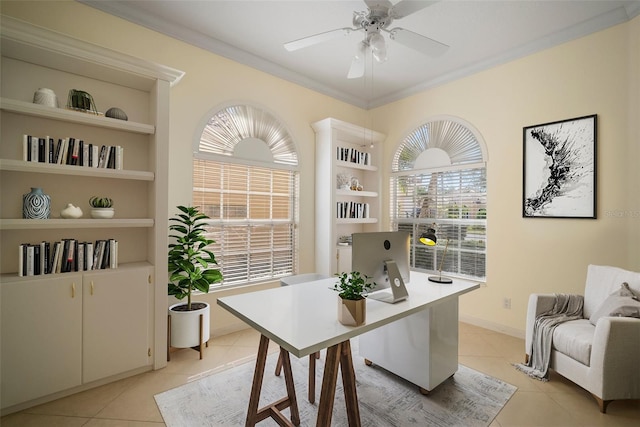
(582,77)
(590,75)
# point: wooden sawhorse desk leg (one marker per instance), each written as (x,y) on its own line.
(338,355)
(255,415)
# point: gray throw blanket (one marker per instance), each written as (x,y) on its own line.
(565,308)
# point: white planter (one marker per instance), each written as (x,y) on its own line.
(185,326)
(102,213)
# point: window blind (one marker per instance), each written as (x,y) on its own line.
(253,221)
(455,201)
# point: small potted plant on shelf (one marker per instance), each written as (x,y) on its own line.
(190,269)
(101,207)
(352,291)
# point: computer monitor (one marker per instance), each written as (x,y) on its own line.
(371,253)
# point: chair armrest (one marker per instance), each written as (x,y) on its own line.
(538,303)
(615,351)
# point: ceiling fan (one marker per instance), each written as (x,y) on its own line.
(375,21)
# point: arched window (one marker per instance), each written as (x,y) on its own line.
(245,178)
(439,177)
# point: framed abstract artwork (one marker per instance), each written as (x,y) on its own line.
(559,169)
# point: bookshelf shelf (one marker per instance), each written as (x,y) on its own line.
(45,168)
(352,165)
(57,224)
(352,193)
(70,116)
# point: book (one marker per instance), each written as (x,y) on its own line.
(56,258)
(113,253)
(60,257)
(89,256)
(44,258)
(86,157)
(119,157)
(105,255)
(94,156)
(26,153)
(97,254)
(29,260)
(56,155)
(51,149)
(111,159)
(21,257)
(102,160)
(75,152)
(81,254)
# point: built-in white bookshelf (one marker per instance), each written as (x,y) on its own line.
(81,329)
(344,150)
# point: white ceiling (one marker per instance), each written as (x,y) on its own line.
(480,33)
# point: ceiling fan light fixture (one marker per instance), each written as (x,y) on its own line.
(378,47)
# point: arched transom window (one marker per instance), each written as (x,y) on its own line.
(438,180)
(245,178)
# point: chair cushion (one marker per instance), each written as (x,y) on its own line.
(574,339)
(623,302)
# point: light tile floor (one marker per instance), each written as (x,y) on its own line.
(130,403)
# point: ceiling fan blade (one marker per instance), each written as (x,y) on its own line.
(407,7)
(418,42)
(317,38)
(357,64)
(376,4)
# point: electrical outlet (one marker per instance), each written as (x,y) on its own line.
(506,303)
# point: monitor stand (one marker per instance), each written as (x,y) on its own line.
(398,289)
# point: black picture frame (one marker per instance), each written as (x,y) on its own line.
(559,169)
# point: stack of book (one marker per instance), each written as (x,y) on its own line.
(67,255)
(352,155)
(352,210)
(71,151)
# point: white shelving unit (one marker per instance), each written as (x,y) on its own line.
(334,139)
(73,331)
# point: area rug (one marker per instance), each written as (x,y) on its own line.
(468,399)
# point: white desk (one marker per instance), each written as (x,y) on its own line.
(302,319)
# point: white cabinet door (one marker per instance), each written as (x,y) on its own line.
(41,337)
(115,338)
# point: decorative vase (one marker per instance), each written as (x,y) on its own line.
(185,325)
(71,212)
(352,312)
(36,204)
(102,213)
(44,96)
(116,113)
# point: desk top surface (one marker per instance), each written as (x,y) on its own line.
(303,318)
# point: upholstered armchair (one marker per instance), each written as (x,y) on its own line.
(601,351)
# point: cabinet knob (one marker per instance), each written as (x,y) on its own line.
(73,290)
(92,287)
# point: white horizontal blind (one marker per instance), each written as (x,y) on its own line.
(456,202)
(253,214)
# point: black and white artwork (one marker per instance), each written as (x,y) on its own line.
(559,169)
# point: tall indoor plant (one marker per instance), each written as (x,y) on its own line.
(190,269)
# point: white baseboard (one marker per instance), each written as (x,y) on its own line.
(497,327)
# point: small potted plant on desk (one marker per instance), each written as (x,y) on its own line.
(352,290)
(189,270)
